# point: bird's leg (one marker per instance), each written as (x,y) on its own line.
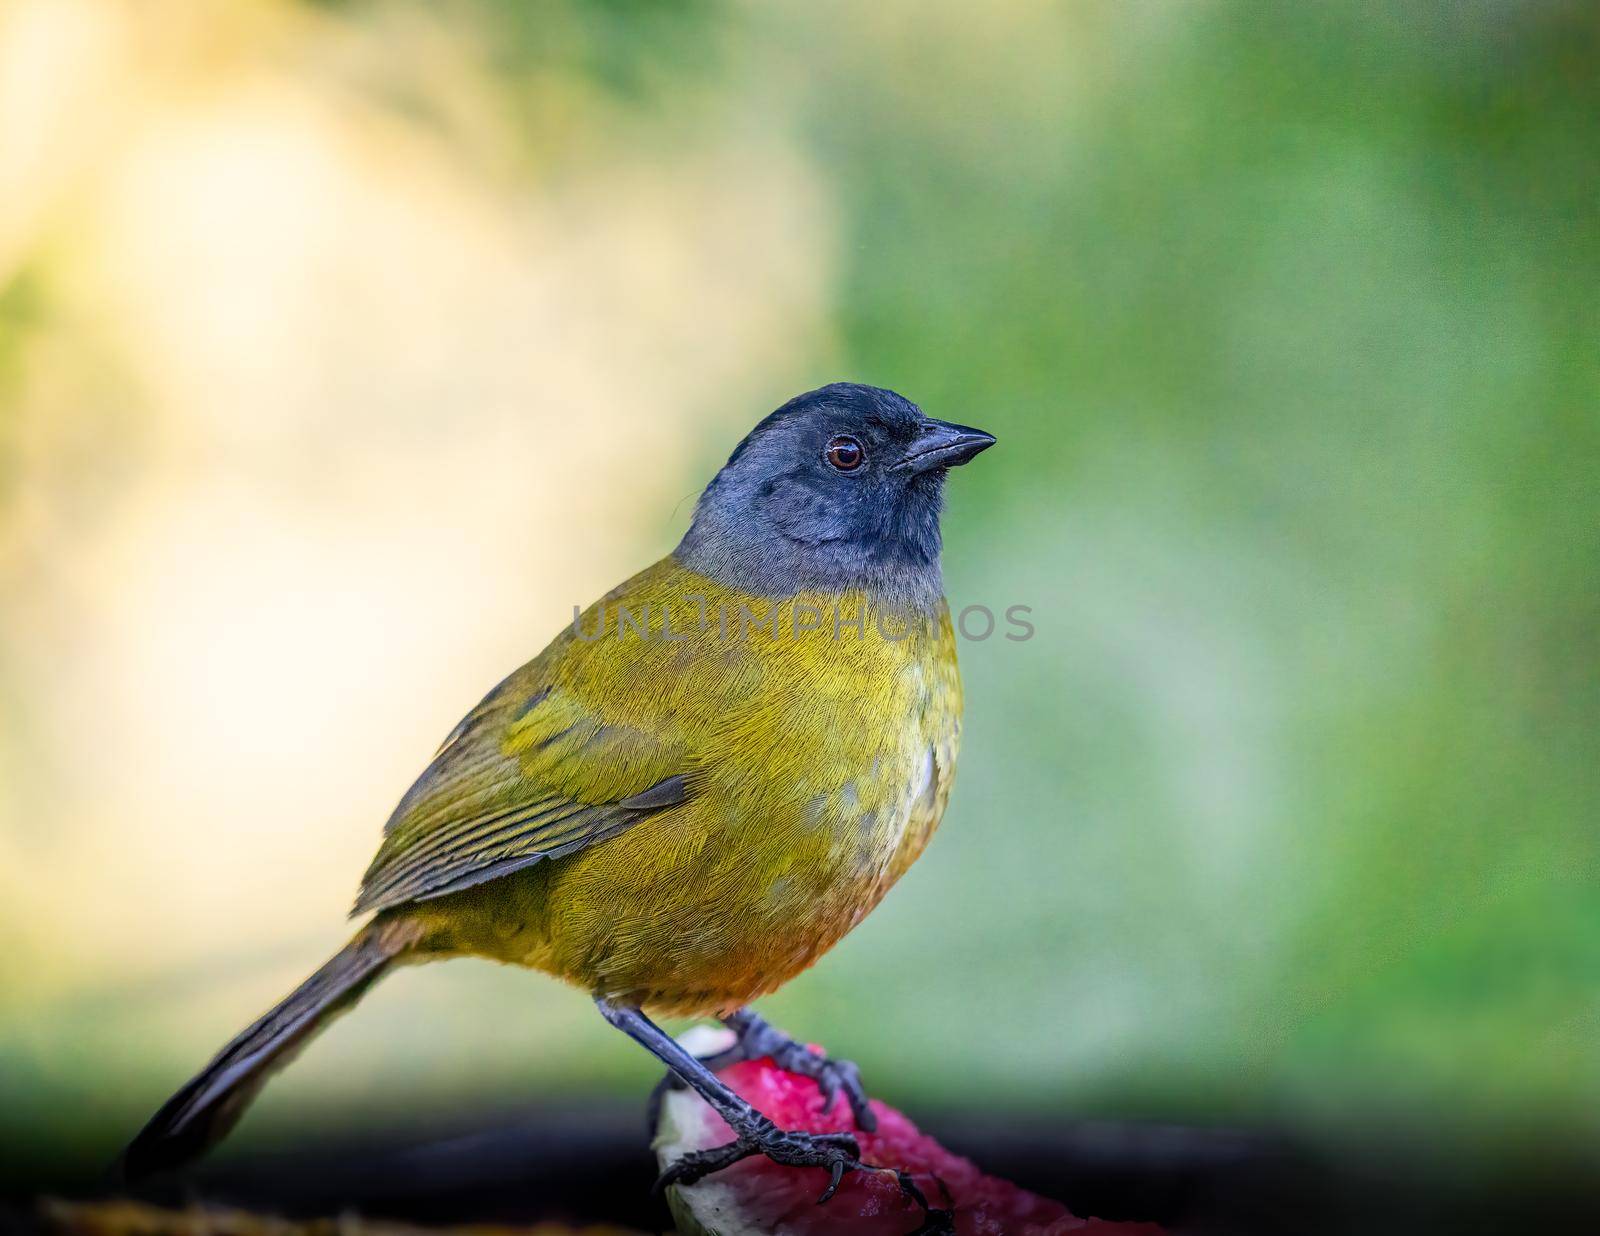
(753,1132)
(757,1038)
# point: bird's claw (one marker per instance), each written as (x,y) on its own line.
(935,1222)
(838,1152)
(833,1077)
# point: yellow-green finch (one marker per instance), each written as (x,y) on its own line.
(698,788)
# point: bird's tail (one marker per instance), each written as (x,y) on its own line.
(200,1115)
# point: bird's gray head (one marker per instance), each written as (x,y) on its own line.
(839,488)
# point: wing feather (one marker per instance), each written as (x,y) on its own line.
(533,772)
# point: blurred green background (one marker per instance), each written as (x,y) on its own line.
(343,347)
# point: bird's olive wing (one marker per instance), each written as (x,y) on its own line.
(533,772)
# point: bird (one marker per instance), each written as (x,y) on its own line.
(700,786)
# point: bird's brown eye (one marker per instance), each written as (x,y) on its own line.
(845,453)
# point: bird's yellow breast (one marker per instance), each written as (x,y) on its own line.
(818,739)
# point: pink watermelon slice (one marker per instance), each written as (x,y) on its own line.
(758,1196)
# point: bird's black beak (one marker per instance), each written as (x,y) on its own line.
(943,445)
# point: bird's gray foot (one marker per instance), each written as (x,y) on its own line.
(837,1152)
(935,1222)
(833,1077)
(754,1133)
(756,1039)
